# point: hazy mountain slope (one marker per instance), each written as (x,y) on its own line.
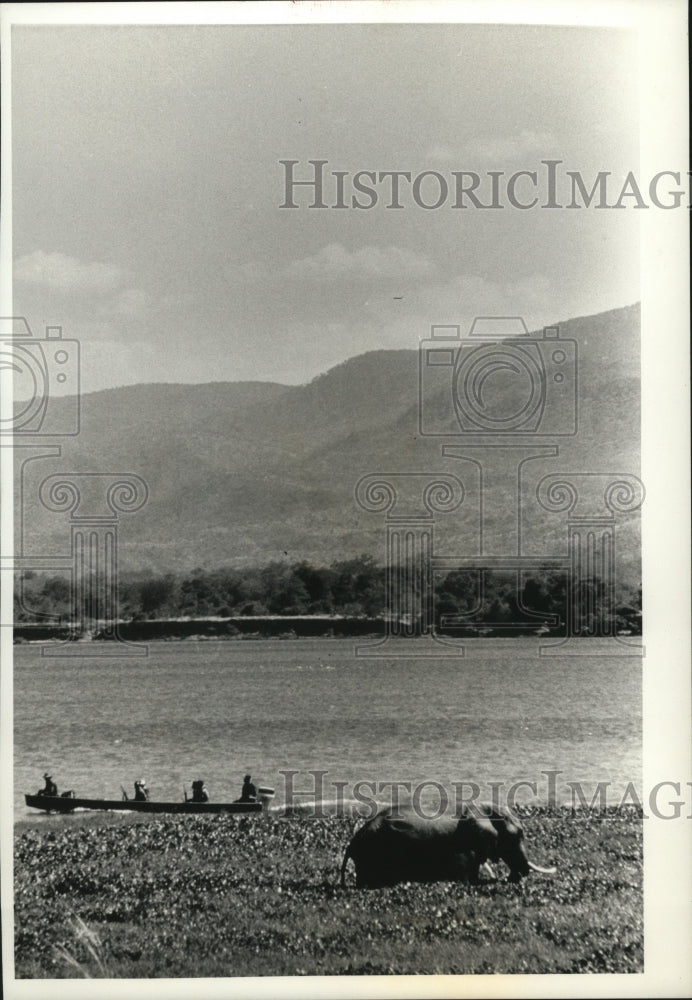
(245,472)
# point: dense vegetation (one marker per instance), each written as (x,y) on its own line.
(248,896)
(354,588)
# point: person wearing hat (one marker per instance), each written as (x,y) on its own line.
(50,788)
(249,792)
(141,791)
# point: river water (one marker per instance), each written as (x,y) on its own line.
(217,710)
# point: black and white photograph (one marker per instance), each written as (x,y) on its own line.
(345,500)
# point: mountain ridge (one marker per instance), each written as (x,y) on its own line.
(241,473)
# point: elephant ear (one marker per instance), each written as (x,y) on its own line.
(477,834)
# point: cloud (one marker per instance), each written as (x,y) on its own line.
(441,153)
(132,302)
(65,273)
(511,147)
(334,261)
(496,148)
(382,323)
(466,296)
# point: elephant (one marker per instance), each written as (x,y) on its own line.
(397,845)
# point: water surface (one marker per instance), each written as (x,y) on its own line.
(218,709)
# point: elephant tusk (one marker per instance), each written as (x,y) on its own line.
(543,871)
(488,869)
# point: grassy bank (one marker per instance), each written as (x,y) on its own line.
(248,896)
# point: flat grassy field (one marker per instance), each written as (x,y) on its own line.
(122,896)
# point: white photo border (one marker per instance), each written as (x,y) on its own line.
(665,471)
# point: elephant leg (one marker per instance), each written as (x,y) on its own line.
(473,872)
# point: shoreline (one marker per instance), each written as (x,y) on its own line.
(278,633)
(248,628)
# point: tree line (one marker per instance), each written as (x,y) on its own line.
(352,588)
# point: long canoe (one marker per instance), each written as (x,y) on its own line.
(58,804)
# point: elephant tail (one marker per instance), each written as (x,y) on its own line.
(347,855)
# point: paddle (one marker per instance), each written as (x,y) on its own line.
(126,797)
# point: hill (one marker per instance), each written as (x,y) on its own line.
(245,473)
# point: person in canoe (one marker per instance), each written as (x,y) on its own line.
(50,787)
(141,791)
(199,791)
(248,792)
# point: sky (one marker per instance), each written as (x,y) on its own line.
(147,188)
